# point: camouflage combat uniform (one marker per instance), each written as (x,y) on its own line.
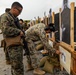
(15,49)
(33,34)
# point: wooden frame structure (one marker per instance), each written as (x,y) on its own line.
(70,48)
(67,49)
(64,47)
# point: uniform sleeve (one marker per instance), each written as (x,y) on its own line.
(45,42)
(8,29)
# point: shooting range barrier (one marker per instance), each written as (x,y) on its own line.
(65,36)
(65,24)
(67,39)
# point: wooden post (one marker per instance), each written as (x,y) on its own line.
(48,19)
(40,20)
(60,24)
(74,62)
(72,25)
(45,20)
(60,31)
(53,34)
(53,17)
(73,66)
(36,21)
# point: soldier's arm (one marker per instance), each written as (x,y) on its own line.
(8,29)
(45,42)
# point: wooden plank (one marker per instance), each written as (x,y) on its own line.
(72,25)
(46,20)
(53,17)
(60,10)
(53,34)
(66,46)
(74,61)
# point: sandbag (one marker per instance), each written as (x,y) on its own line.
(43,60)
(48,67)
(55,62)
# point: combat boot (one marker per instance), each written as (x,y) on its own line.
(29,67)
(8,62)
(38,72)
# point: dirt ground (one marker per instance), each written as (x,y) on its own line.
(6,69)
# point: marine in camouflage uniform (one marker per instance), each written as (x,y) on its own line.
(12,36)
(34,34)
(5,50)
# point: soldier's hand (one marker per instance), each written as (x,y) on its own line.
(58,52)
(21,33)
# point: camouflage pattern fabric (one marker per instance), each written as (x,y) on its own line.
(33,34)
(10,30)
(8,26)
(7,55)
(16,58)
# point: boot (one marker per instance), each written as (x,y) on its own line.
(38,72)
(29,67)
(8,62)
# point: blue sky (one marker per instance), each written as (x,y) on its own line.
(34,8)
